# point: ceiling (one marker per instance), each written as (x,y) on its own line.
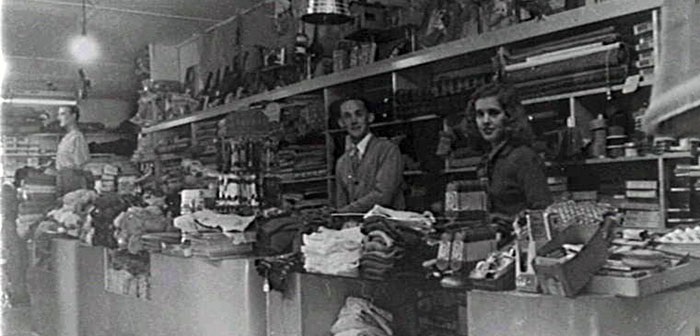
(37,33)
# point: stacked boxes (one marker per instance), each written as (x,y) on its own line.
(642,204)
(644,37)
(109,178)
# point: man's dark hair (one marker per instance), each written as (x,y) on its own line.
(364,101)
(74,110)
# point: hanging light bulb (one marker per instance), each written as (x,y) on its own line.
(84,48)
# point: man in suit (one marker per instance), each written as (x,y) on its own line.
(370,171)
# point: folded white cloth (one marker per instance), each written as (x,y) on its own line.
(333,251)
(360,317)
(211,219)
(417,221)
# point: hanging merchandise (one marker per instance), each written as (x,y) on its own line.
(301,42)
(328,12)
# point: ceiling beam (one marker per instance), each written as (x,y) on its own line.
(118,10)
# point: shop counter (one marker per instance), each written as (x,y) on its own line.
(188,296)
(310,304)
(673,312)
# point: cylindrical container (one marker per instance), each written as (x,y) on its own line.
(631,149)
(663,144)
(616,151)
(598,131)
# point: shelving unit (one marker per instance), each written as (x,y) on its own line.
(562,21)
(44,146)
(468,55)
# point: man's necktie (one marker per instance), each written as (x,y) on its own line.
(354,158)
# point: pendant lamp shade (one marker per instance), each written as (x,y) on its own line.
(674,109)
(328,12)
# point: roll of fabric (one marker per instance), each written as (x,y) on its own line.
(608,56)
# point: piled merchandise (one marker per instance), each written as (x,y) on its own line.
(360,317)
(65,220)
(392,247)
(213,235)
(574,63)
(684,195)
(641,204)
(206,143)
(558,186)
(162,100)
(145,149)
(443,96)
(108,180)
(309,201)
(333,251)
(379,254)
(298,162)
(136,221)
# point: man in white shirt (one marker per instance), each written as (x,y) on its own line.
(73,150)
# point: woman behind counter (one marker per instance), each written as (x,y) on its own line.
(514,172)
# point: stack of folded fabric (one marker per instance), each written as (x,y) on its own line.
(298,162)
(393,247)
(333,251)
(379,253)
(359,317)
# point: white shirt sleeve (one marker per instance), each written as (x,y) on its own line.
(72,152)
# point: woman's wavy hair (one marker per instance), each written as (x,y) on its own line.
(517,127)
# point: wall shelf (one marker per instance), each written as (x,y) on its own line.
(9,155)
(677,155)
(562,21)
(470,169)
(305,180)
(582,93)
(393,122)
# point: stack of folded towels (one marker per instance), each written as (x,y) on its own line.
(390,249)
(359,317)
(379,253)
(333,251)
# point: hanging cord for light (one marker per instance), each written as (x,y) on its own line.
(83,48)
(84,25)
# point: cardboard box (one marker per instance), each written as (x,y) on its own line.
(646,285)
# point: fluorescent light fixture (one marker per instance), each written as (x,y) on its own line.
(40,97)
(38,101)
